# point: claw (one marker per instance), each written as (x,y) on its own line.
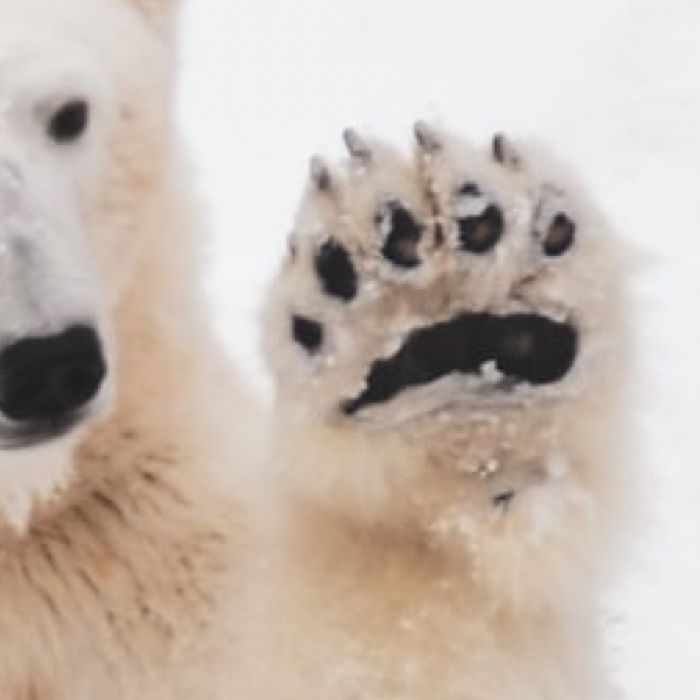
(505,152)
(426,137)
(357,146)
(320,174)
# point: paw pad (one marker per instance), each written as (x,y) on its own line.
(336,271)
(522,347)
(480,222)
(494,323)
(479,234)
(560,236)
(308,333)
(401,234)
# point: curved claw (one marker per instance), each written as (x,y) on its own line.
(505,152)
(357,146)
(426,137)
(320,174)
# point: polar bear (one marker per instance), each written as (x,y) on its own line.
(118,414)
(450,341)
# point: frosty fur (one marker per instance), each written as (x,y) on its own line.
(119,547)
(452,543)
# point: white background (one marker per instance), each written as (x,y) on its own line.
(613,84)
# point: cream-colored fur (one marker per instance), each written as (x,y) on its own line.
(381,561)
(391,569)
(119,584)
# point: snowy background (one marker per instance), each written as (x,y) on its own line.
(613,84)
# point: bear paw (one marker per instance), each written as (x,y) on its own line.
(456,278)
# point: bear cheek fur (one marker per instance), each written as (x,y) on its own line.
(124,205)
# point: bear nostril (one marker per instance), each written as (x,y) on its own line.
(46,379)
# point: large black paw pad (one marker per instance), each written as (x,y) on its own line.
(479,234)
(526,348)
(402,234)
(336,272)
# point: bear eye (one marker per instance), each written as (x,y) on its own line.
(69,122)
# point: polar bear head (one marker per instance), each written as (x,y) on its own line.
(84,132)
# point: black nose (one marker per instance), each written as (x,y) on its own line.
(46,379)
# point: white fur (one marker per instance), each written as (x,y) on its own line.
(394,571)
(121,543)
(377,565)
